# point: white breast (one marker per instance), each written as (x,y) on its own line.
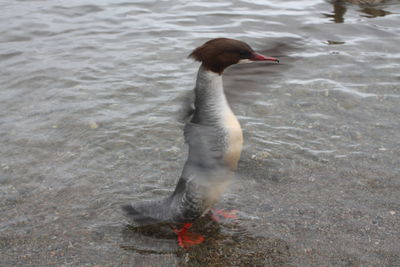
(234,140)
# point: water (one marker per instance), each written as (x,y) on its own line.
(89,106)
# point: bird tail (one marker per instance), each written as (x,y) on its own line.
(148,212)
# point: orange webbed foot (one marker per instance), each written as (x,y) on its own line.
(187,239)
(217,215)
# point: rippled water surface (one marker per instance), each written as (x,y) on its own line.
(90,98)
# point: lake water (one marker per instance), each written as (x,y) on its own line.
(90,99)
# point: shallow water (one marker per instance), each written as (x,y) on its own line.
(90,98)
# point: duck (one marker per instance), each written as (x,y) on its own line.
(215,140)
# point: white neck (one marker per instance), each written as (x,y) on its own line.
(211,104)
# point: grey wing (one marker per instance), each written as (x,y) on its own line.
(204,176)
(187,109)
(206,145)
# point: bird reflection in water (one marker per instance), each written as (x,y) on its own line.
(369,7)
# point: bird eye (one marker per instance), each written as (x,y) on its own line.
(244,54)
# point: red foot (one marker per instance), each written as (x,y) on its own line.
(217,215)
(187,239)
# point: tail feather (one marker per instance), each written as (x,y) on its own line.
(149,212)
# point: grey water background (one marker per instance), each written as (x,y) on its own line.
(90,99)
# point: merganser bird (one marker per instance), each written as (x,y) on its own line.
(215,142)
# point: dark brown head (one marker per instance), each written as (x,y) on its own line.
(218,54)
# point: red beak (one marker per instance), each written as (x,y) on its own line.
(259,57)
